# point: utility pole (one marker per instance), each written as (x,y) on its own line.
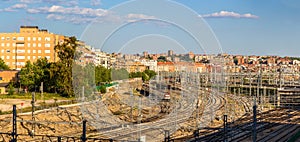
(83,137)
(42,91)
(225,128)
(254,136)
(259,78)
(32,114)
(250,83)
(14,132)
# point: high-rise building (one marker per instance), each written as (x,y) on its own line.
(30,44)
(170,52)
(145,53)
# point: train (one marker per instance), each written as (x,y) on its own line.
(167,97)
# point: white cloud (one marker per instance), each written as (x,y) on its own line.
(224,14)
(69,10)
(19,6)
(30,1)
(14,8)
(80,15)
(135,17)
(70,18)
(95,2)
(55,17)
(139,16)
(53,2)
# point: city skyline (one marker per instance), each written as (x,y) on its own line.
(242,27)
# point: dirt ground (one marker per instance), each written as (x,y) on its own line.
(7,104)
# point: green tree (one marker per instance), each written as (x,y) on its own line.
(27,76)
(119,74)
(102,75)
(102,89)
(41,71)
(150,73)
(3,66)
(162,59)
(145,77)
(11,89)
(63,68)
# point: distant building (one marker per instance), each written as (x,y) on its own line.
(150,64)
(165,66)
(135,66)
(104,59)
(240,60)
(170,53)
(86,55)
(176,59)
(145,53)
(191,55)
(271,61)
(30,44)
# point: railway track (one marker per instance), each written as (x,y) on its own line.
(152,129)
(276,125)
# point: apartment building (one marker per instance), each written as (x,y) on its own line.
(30,44)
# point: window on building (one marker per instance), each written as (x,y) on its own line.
(7,57)
(2,51)
(20,45)
(7,44)
(48,57)
(39,51)
(47,45)
(14,38)
(28,57)
(28,51)
(34,38)
(33,57)
(20,51)
(2,38)
(20,38)
(2,44)
(7,38)
(34,45)
(28,45)
(47,38)
(33,51)
(20,63)
(47,51)
(39,45)
(20,57)
(7,51)
(39,38)
(28,38)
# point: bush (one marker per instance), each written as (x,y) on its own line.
(102,89)
(11,89)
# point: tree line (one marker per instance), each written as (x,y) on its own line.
(57,77)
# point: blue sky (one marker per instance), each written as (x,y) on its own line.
(248,27)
